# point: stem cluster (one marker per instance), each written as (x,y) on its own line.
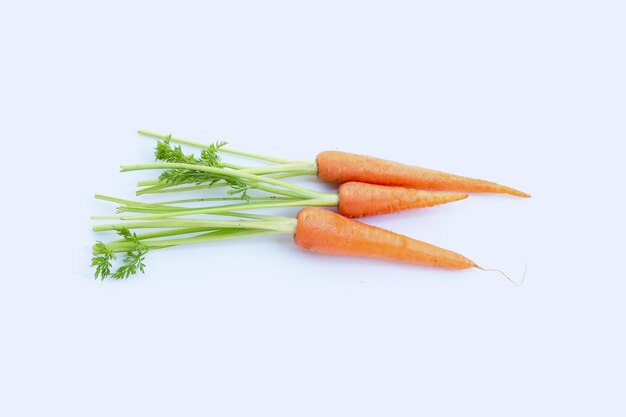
(201,218)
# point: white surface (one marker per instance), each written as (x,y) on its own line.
(531,95)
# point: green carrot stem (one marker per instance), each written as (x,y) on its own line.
(120,200)
(237,175)
(298,168)
(200,200)
(158,185)
(168,204)
(148,183)
(164,188)
(174,208)
(332,200)
(231,166)
(207,237)
(287,225)
(168,233)
(169,209)
(226,150)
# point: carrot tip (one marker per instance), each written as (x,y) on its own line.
(505,275)
(520,194)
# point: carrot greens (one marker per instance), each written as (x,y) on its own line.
(168,233)
(181,221)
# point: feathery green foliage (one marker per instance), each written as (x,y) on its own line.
(175,224)
(102,260)
(209,157)
(132,262)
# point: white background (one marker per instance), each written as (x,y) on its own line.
(530,94)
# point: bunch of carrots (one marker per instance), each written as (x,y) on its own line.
(367,186)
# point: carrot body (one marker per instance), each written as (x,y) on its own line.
(342,167)
(358,199)
(326,232)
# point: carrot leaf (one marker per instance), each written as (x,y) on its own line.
(209,157)
(102,261)
(132,262)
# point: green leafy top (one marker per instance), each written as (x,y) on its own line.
(209,157)
(102,261)
(132,262)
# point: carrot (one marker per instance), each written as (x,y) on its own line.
(353,199)
(314,229)
(326,232)
(342,167)
(357,199)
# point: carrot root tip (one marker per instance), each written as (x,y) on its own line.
(521,194)
(517,284)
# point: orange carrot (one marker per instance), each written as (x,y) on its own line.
(357,199)
(342,167)
(326,232)
(315,229)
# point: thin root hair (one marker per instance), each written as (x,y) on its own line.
(505,275)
